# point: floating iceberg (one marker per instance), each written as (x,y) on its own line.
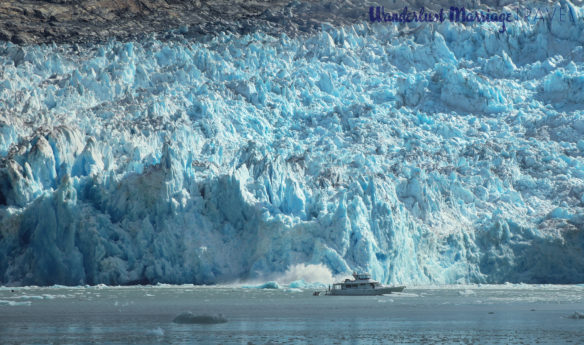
(576,316)
(444,154)
(191,318)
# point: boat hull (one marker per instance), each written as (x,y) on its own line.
(365,292)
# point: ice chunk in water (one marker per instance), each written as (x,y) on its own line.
(191,318)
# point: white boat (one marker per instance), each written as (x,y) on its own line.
(362,285)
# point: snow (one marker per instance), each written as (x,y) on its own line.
(451,154)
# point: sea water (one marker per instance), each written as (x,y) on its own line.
(485,314)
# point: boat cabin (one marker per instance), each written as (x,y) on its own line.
(361,281)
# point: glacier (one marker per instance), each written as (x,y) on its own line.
(423,154)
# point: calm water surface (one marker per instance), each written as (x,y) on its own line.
(504,314)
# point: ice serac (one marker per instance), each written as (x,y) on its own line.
(449,154)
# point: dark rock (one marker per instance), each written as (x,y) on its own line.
(5,35)
(40,13)
(49,32)
(21,38)
(80,20)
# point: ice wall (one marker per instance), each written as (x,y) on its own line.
(438,154)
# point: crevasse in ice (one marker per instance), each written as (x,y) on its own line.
(450,154)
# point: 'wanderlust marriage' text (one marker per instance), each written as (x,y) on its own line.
(455,14)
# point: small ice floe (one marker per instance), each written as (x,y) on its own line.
(205,319)
(293,290)
(402,294)
(47,296)
(122,304)
(29,297)
(15,304)
(156,331)
(576,316)
(466,292)
(385,300)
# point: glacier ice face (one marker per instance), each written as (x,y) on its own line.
(452,154)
